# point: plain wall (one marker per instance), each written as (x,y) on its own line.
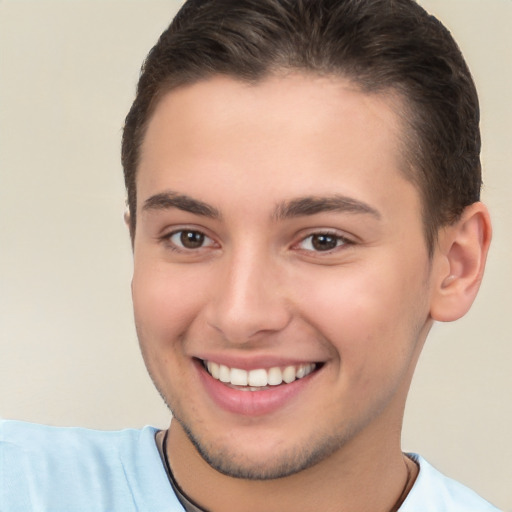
(68,349)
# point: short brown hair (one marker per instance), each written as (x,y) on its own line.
(380,45)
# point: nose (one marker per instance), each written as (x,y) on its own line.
(249,299)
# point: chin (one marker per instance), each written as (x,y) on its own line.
(260,461)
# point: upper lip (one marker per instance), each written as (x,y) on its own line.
(254,362)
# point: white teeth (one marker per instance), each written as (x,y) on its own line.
(213,368)
(301,372)
(289,374)
(258,378)
(275,376)
(238,377)
(224,373)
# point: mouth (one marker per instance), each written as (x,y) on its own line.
(258,379)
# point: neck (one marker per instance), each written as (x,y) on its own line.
(352,479)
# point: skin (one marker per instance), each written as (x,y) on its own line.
(257,292)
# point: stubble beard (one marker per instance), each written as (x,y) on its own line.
(280,465)
(233,464)
(305,453)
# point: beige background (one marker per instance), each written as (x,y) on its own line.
(68,351)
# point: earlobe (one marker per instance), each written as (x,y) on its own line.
(459,263)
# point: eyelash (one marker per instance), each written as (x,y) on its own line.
(175,246)
(339,240)
(327,236)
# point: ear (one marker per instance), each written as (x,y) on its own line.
(126,217)
(459,262)
(129,224)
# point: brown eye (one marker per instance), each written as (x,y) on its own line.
(190,239)
(324,242)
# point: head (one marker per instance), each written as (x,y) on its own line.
(388,47)
(302,180)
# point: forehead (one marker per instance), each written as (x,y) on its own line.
(293,131)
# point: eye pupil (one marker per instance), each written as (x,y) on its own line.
(324,242)
(192,239)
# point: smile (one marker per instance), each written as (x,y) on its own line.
(258,379)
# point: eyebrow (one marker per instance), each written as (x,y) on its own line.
(302,206)
(168,200)
(312,205)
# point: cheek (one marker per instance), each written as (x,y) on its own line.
(370,315)
(164,301)
(165,305)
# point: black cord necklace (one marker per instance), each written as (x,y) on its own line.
(187,503)
(405,490)
(190,506)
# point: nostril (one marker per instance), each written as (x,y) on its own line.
(240,325)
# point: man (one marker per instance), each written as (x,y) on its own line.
(303,185)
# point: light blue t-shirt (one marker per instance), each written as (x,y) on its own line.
(55,469)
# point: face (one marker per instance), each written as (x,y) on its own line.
(281,281)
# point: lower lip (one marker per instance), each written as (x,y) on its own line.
(252,403)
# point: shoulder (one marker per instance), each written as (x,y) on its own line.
(74,469)
(433,491)
(56,448)
(33,436)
